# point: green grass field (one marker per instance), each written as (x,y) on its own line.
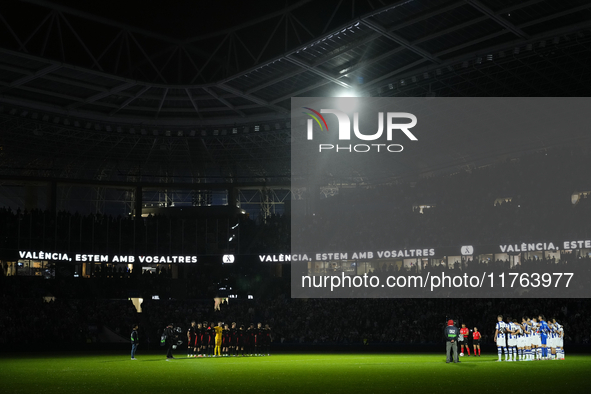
(289,373)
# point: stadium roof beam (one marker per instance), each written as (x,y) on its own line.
(193,103)
(161,103)
(318,72)
(368,62)
(32,76)
(129,100)
(253,99)
(13,34)
(393,73)
(427,15)
(272,15)
(101,95)
(449,30)
(323,59)
(300,91)
(557,15)
(400,41)
(128,30)
(88,52)
(495,17)
(224,101)
(95,18)
(212,56)
(494,49)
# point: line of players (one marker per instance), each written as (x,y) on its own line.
(221,340)
(529,340)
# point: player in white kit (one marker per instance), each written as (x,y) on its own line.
(559,340)
(551,341)
(536,343)
(520,341)
(511,339)
(500,338)
(526,338)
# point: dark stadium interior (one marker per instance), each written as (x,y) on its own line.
(124,137)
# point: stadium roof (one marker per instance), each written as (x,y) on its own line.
(100,92)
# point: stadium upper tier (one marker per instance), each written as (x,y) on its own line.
(201,91)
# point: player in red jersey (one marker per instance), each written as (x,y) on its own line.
(191,336)
(476,341)
(463,339)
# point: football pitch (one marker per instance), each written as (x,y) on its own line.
(288,373)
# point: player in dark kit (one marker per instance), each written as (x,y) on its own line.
(225,340)
(233,340)
(212,333)
(198,339)
(240,340)
(191,335)
(249,339)
(204,339)
(267,340)
(246,336)
(258,340)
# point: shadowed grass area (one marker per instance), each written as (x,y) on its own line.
(293,373)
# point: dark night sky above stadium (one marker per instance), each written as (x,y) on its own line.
(179,18)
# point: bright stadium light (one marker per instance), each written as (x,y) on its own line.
(346,93)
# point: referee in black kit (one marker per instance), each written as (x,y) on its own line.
(451,338)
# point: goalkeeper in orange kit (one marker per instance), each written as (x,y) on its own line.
(218,339)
